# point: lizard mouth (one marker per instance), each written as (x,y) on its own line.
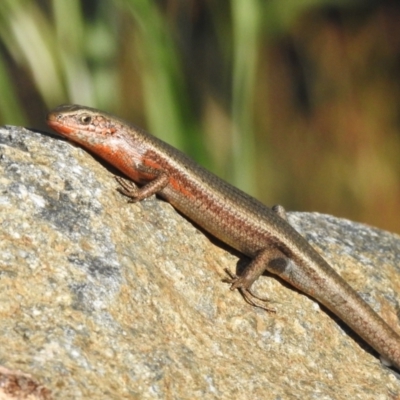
(58,126)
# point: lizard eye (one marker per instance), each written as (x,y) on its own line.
(86,119)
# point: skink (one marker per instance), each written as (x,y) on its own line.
(239,220)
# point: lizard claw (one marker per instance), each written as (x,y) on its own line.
(248,296)
(127,188)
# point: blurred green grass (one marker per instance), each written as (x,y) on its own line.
(296,102)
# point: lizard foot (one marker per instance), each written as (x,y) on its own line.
(248,296)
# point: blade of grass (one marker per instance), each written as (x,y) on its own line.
(246,23)
(10,107)
(71,50)
(166,100)
(31,35)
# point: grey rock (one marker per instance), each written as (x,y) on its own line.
(104,299)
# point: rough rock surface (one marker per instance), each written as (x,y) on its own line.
(15,385)
(104,299)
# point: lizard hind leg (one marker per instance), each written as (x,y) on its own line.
(248,295)
(252,272)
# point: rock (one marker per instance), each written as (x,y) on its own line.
(19,386)
(104,299)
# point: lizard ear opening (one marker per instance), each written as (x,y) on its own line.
(86,119)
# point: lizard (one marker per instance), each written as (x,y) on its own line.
(237,219)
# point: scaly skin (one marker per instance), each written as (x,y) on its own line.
(227,213)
